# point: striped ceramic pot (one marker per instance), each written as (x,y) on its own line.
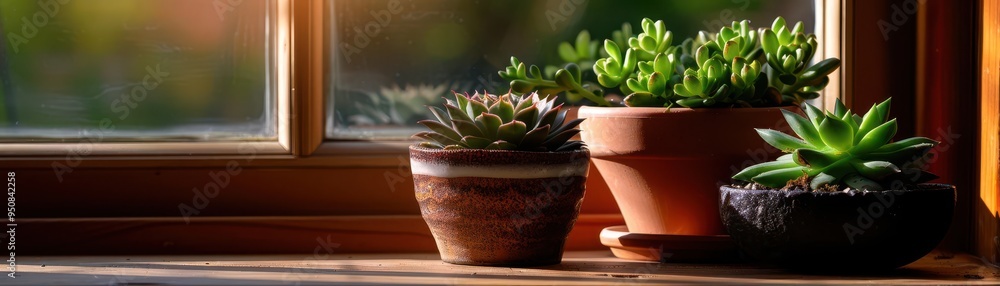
(502,208)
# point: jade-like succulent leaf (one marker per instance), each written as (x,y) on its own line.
(803,128)
(782,141)
(836,133)
(908,142)
(813,158)
(549,117)
(490,124)
(761,168)
(504,110)
(467,128)
(457,113)
(535,137)
(561,137)
(474,142)
(512,132)
(440,115)
(442,129)
(780,177)
(501,145)
(902,156)
(876,138)
(437,138)
(572,124)
(868,122)
(527,115)
(883,109)
(815,115)
(821,180)
(476,108)
(875,169)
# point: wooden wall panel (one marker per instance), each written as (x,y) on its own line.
(986,216)
(945,105)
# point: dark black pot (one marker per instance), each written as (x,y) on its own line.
(838,231)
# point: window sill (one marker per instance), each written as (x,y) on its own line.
(577,268)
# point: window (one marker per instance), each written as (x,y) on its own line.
(126,70)
(388,59)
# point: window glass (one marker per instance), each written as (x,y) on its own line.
(390,58)
(131,70)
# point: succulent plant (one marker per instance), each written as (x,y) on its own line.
(505,122)
(788,53)
(395,105)
(526,79)
(841,148)
(575,79)
(738,66)
(583,53)
(568,80)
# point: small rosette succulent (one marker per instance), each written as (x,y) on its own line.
(500,122)
(841,148)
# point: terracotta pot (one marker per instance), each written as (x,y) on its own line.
(664,167)
(498,208)
(838,231)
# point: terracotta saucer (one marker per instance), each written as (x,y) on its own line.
(667,247)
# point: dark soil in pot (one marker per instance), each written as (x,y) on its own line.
(838,231)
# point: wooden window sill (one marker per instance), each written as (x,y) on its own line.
(577,268)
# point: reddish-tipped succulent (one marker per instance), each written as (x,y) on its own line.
(500,122)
